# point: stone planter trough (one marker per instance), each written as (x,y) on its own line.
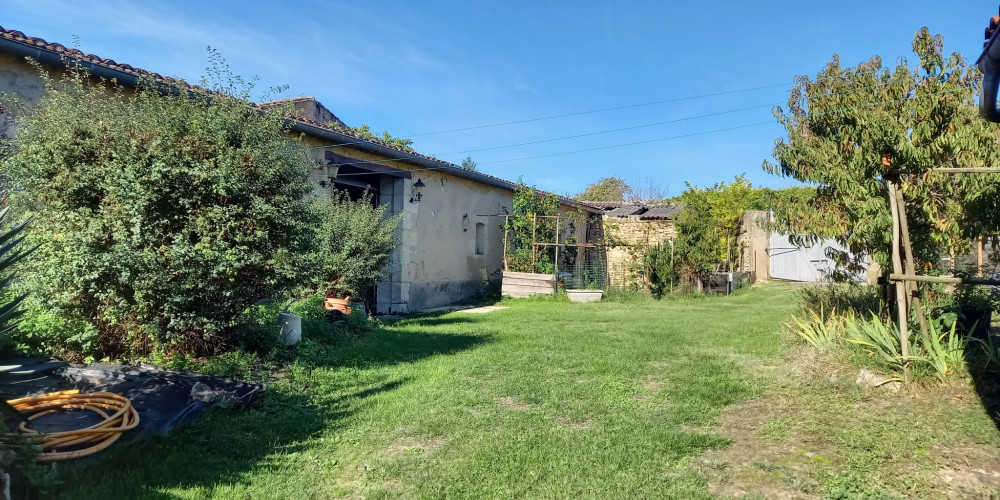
(585,295)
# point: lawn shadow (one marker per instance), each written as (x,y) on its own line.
(223,449)
(400,345)
(986,381)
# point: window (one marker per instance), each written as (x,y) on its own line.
(480,239)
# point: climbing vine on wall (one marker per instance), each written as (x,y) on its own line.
(530,220)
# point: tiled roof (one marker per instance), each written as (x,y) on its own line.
(62,50)
(304,124)
(642,210)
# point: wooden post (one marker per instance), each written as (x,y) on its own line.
(506,223)
(534,226)
(581,251)
(912,289)
(557,254)
(897,267)
(979,259)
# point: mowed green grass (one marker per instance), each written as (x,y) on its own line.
(545,399)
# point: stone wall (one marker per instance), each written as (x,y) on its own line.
(627,239)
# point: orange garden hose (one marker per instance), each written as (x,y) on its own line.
(119,416)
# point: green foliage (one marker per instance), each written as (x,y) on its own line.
(356,241)
(12,252)
(161,217)
(944,351)
(708,226)
(879,338)
(531,217)
(18,453)
(468,163)
(42,330)
(365,132)
(606,189)
(625,294)
(816,331)
(849,298)
(844,126)
(939,353)
(658,259)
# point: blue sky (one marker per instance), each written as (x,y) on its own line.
(415,68)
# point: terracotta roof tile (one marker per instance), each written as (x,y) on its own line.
(72,53)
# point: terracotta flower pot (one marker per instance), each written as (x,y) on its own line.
(337,304)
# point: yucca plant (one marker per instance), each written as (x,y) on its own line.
(945,352)
(880,339)
(817,331)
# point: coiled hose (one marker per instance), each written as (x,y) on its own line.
(119,416)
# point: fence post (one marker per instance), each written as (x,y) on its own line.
(897,266)
(557,254)
(534,242)
(506,224)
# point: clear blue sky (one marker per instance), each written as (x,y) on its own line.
(417,67)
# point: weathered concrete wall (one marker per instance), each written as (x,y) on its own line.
(18,79)
(627,237)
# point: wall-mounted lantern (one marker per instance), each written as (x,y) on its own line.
(417,195)
(465,223)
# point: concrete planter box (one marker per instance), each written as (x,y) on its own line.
(520,285)
(585,295)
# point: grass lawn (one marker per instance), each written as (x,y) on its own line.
(673,399)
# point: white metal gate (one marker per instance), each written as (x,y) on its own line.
(789,262)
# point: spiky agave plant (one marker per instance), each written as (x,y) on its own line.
(11,252)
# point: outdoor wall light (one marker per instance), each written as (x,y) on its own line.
(417,195)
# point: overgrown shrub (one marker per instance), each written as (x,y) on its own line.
(356,242)
(658,259)
(161,217)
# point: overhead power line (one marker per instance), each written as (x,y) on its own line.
(600,110)
(839,110)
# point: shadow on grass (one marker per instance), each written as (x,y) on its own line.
(388,347)
(987,385)
(222,449)
(229,447)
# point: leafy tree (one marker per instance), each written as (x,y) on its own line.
(365,132)
(468,163)
(161,217)
(606,189)
(708,226)
(850,129)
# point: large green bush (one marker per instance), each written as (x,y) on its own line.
(356,240)
(161,217)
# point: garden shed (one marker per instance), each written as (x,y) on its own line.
(449,245)
(630,227)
